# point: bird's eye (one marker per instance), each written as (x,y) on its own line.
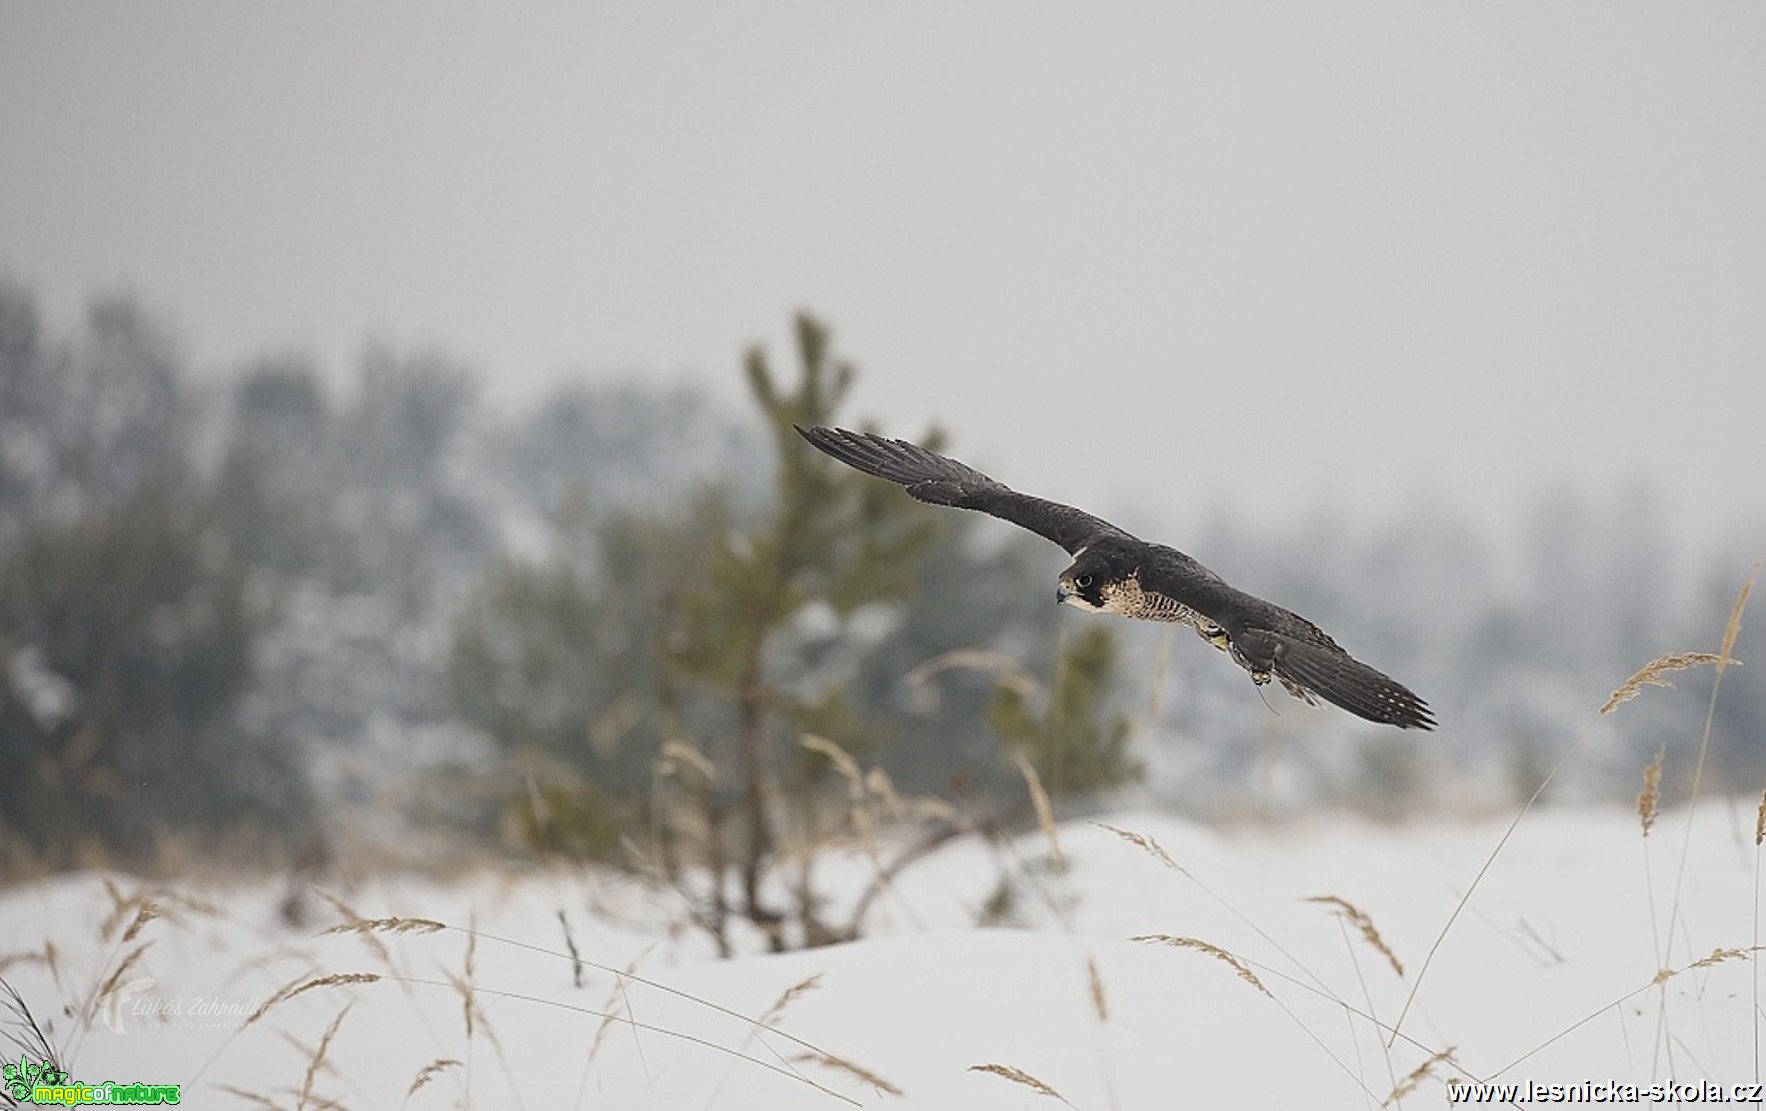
(1083,581)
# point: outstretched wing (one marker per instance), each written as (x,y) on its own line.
(1309,662)
(1271,642)
(940,480)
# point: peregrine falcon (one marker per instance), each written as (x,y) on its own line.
(1114,572)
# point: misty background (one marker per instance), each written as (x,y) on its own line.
(377,406)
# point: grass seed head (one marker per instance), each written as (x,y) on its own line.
(317,1061)
(387,926)
(148,912)
(787,997)
(1019,1076)
(1732,628)
(1045,812)
(255,1099)
(1099,1004)
(430,1072)
(109,987)
(678,752)
(1146,844)
(1719,955)
(301,987)
(1358,918)
(1649,800)
(841,1064)
(1415,1080)
(1651,675)
(1213,950)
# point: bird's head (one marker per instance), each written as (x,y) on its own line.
(1086,582)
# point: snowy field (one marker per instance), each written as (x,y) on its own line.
(1549,974)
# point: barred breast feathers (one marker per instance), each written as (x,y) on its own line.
(1129,598)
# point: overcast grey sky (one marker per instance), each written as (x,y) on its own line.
(1273,256)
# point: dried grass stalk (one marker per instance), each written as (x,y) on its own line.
(787,997)
(1145,844)
(148,912)
(1358,918)
(1760,821)
(1651,675)
(193,903)
(128,962)
(576,958)
(611,1012)
(387,926)
(836,755)
(878,783)
(1098,1002)
(849,1068)
(301,987)
(1649,800)
(1212,950)
(1718,956)
(1733,628)
(430,1072)
(464,984)
(1045,813)
(52,957)
(616,999)
(678,751)
(317,1061)
(1001,666)
(1417,1075)
(929,809)
(1019,1076)
(121,906)
(858,807)
(7,960)
(351,918)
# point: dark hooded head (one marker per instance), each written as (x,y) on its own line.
(1090,581)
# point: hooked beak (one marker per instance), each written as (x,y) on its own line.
(1064,592)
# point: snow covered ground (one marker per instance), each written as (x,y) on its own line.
(1546,975)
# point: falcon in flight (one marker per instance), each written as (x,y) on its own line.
(1114,572)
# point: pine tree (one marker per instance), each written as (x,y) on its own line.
(834,539)
(1076,743)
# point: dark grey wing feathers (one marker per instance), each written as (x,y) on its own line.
(1340,678)
(1307,659)
(940,480)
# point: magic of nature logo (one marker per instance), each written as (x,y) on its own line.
(42,1082)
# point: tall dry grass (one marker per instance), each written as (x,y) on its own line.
(1414,1064)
